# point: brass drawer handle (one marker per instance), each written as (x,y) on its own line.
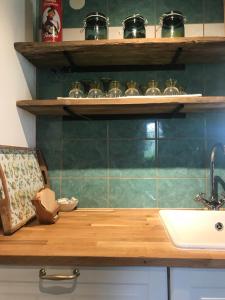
(44,276)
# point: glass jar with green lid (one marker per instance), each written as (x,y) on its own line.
(96,26)
(172,24)
(134,27)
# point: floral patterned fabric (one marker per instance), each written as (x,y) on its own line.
(23,180)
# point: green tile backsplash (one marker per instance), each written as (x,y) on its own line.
(181,158)
(84,158)
(132,158)
(132,193)
(213,11)
(92,192)
(179,192)
(136,162)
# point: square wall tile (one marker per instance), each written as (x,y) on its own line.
(84,158)
(150,31)
(219,166)
(120,129)
(132,158)
(115,32)
(52,153)
(213,11)
(73,34)
(50,85)
(121,9)
(181,158)
(75,17)
(49,129)
(192,9)
(55,185)
(179,193)
(214,29)
(132,193)
(192,126)
(89,192)
(191,78)
(215,126)
(214,75)
(74,129)
(192,30)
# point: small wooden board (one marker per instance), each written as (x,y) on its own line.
(20,179)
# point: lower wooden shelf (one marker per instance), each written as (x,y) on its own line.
(123,106)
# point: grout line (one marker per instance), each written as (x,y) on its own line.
(157,160)
(203,17)
(206,147)
(204,79)
(155,13)
(108,164)
(107,138)
(61,163)
(129,178)
(133,139)
(107,7)
(205,119)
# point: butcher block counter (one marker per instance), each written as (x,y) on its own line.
(102,237)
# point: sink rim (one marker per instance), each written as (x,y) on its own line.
(198,236)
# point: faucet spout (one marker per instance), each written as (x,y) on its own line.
(214,202)
(214,194)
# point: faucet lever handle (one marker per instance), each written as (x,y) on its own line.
(222,200)
(200,197)
(223,195)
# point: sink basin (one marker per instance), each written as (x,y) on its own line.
(195,229)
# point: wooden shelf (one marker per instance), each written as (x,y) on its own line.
(124,52)
(123,106)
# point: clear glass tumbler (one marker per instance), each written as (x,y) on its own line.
(152,89)
(132,89)
(171,88)
(115,89)
(77,90)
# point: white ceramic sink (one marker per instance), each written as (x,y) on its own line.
(196,229)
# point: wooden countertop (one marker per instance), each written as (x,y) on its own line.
(102,237)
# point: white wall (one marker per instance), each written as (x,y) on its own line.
(17,76)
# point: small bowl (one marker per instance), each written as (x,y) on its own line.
(66,204)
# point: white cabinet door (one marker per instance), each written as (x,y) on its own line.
(133,283)
(197,284)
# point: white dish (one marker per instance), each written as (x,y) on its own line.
(66,204)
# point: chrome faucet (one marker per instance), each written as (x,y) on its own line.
(214,202)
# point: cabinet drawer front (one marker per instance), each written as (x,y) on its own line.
(133,283)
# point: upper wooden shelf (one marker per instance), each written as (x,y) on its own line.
(160,51)
(122,106)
